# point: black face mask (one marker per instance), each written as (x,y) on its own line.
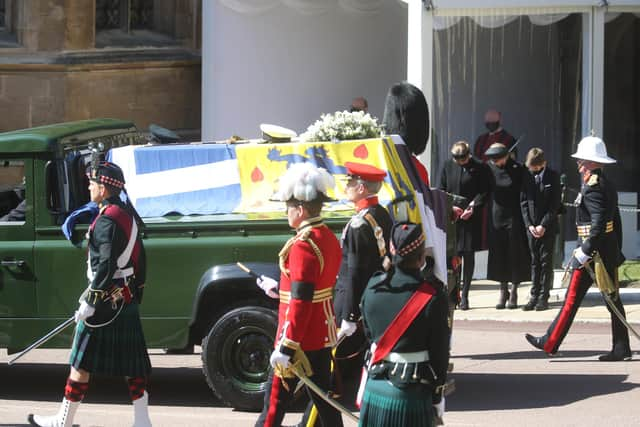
(492,126)
(536,173)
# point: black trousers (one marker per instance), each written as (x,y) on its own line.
(541,265)
(468,265)
(580,283)
(277,398)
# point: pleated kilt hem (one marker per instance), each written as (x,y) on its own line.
(118,349)
(384,405)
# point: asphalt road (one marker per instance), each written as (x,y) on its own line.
(500,381)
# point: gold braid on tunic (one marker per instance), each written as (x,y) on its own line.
(303,234)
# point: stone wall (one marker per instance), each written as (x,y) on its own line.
(56,74)
(145,92)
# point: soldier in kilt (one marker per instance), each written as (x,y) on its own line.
(108,338)
(405,381)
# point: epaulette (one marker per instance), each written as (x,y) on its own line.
(593,180)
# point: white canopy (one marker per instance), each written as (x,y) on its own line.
(427,16)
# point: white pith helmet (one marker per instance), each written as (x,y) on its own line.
(593,149)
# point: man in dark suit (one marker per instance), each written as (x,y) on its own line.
(540,202)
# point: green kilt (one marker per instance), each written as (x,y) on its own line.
(117,349)
(384,405)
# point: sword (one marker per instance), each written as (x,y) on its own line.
(610,303)
(44,339)
(317,390)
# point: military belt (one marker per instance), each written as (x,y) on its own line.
(412,357)
(318,296)
(585,230)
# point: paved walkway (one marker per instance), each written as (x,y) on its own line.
(484,296)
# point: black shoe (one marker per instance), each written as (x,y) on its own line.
(537,342)
(615,356)
(464,304)
(542,305)
(529,306)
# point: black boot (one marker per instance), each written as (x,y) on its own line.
(504,295)
(543,304)
(616,355)
(531,304)
(513,297)
(537,342)
(464,300)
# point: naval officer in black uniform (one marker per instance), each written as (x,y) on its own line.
(599,244)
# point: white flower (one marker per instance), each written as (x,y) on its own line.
(342,125)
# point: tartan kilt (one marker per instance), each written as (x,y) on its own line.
(384,405)
(118,349)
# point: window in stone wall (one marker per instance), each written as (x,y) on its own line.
(3,8)
(7,34)
(131,23)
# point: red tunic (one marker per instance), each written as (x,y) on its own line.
(309,262)
(422,170)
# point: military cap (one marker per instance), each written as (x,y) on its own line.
(304,182)
(365,172)
(274,133)
(406,237)
(496,150)
(163,135)
(106,173)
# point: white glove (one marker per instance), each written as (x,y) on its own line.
(83,312)
(268,285)
(278,358)
(347,328)
(438,408)
(581,256)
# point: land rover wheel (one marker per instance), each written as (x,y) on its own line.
(235,356)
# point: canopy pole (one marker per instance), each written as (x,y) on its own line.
(593,71)
(420,62)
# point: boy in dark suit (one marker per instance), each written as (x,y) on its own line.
(540,202)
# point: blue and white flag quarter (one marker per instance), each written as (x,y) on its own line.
(185,179)
(433,211)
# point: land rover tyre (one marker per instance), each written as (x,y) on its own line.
(235,356)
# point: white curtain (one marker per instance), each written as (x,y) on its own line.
(308,7)
(547,19)
(497,21)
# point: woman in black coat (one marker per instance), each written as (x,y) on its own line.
(509,258)
(466,177)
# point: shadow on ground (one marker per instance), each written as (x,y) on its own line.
(45,382)
(493,391)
